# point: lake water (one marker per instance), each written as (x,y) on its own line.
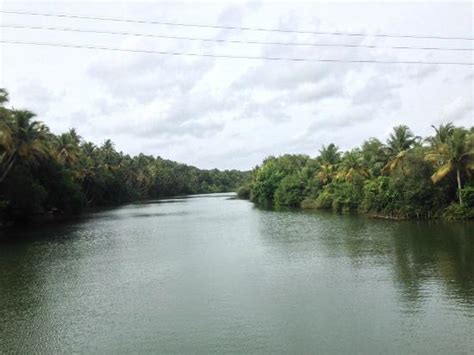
(214,274)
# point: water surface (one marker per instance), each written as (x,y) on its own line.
(214,274)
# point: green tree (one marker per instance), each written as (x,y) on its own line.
(399,142)
(374,155)
(443,133)
(29,140)
(352,166)
(329,154)
(66,148)
(456,155)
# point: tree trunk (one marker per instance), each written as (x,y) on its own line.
(8,168)
(458,175)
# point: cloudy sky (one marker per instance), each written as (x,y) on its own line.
(232,113)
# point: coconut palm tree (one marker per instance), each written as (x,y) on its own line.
(66,149)
(374,156)
(5,131)
(399,142)
(326,173)
(29,140)
(329,154)
(352,165)
(3,96)
(456,155)
(89,149)
(401,139)
(5,137)
(76,138)
(108,155)
(443,133)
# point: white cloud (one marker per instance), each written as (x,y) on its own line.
(459,110)
(232,113)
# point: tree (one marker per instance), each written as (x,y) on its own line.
(401,139)
(66,148)
(329,154)
(352,166)
(399,142)
(326,173)
(374,156)
(29,140)
(443,133)
(3,96)
(5,131)
(455,155)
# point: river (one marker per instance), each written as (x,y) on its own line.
(211,273)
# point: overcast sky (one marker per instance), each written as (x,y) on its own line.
(232,113)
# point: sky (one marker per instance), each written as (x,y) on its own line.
(232,113)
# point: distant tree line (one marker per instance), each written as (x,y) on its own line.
(43,173)
(407,177)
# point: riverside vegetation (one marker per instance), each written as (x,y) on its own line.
(406,178)
(43,174)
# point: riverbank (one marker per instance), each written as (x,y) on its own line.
(467,214)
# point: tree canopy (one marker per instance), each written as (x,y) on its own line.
(405,178)
(41,172)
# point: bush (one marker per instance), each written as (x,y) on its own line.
(325,200)
(346,197)
(308,203)
(456,211)
(289,192)
(270,175)
(467,195)
(380,196)
(243,192)
(25,195)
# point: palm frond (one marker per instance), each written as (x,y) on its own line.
(442,172)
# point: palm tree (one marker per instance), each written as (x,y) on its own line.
(88,149)
(443,133)
(401,139)
(374,156)
(455,155)
(5,136)
(29,140)
(66,149)
(3,96)
(5,131)
(76,138)
(329,154)
(326,173)
(352,165)
(399,142)
(109,156)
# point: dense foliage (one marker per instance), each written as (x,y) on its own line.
(407,177)
(41,172)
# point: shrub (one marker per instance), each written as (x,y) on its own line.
(289,192)
(467,195)
(380,196)
(243,192)
(456,211)
(346,197)
(308,203)
(325,200)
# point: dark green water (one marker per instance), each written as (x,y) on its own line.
(212,274)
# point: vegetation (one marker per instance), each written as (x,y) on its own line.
(408,177)
(43,173)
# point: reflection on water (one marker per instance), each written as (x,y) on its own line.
(214,274)
(418,254)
